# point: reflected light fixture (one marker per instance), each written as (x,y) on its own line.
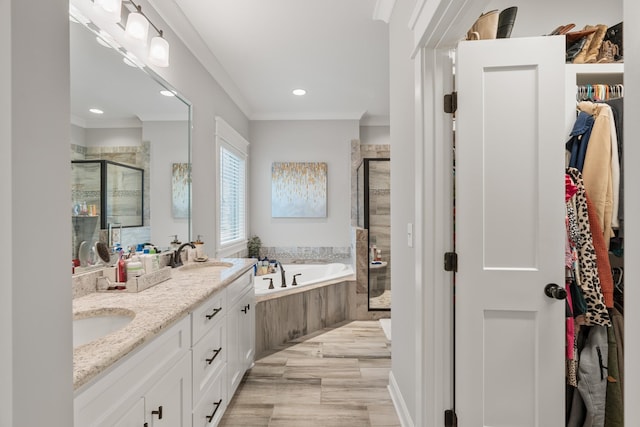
(137,29)
(167,93)
(96,111)
(111,9)
(299,92)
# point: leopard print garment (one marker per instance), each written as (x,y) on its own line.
(588,270)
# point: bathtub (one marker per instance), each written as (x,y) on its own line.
(310,274)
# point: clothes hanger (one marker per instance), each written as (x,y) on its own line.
(618,277)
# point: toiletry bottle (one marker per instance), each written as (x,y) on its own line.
(200,255)
(122,268)
(134,267)
(175,243)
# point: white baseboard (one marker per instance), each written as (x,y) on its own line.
(398,402)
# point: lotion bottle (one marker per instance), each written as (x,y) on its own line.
(122,269)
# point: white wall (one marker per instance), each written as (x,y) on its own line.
(375,135)
(404,321)
(632,208)
(302,141)
(6,184)
(37,374)
(208,100)
(164,152)
(113,137)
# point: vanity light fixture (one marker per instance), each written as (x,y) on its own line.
(96,111)
(137,29)
(167,93)
(299,92)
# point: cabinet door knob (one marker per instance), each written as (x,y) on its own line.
(158,412)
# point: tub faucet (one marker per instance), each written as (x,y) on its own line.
(176,261)
(282,275)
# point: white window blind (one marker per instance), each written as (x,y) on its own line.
(232,197)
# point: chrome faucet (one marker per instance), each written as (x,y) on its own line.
(176,261)
(283,279)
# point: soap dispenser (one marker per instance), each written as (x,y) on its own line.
(200,255)
(175,243)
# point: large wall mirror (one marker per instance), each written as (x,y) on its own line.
(143,124)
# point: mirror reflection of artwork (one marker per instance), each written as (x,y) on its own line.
(180,178)
(298,190)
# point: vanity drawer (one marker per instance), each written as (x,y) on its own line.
(211,407)
(238,288)
(209,358)
(207,315)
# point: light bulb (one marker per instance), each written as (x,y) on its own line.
(137,28)
(159,52)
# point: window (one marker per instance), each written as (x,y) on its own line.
(232,189)
(232,197)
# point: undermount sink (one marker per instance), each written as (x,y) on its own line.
(91,326)
(218,265)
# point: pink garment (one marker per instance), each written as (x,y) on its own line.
(570,188)
(570,326)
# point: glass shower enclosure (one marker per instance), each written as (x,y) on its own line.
(374,214)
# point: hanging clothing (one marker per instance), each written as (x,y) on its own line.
(602,256)
(577,144)
(614,405)
(587,275)
(588,406)
(597,174)
(617,109)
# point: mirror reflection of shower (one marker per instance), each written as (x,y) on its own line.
(374,214)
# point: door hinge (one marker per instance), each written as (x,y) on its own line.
(450,418)
(451,261)
(451,102)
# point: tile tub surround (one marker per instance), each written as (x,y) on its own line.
(282,317)
(155,309)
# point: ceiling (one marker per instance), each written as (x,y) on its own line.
(260,50)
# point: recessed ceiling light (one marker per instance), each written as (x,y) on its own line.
(96,111)
(299,92)
(167,93)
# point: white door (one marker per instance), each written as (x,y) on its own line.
(509,342)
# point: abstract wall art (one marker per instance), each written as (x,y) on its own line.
(180,183)
(298,190)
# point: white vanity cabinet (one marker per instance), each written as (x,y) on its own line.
(185,376)
(151,387)
(209,356)
(241,329)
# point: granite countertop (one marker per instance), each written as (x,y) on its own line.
(155,310)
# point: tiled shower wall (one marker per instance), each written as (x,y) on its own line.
(382,239)
(138,156)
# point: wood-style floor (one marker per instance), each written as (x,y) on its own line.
(336,377)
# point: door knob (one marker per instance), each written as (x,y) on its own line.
(554,291)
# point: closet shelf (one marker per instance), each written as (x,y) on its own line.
(606,73)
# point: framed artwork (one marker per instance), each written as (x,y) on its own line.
(180,180)
(298,190)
